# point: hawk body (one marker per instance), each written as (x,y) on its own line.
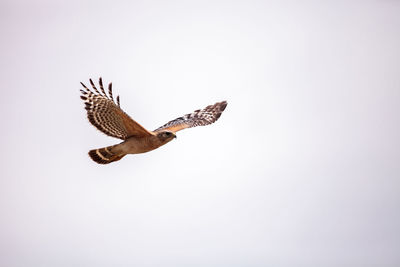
(108,117)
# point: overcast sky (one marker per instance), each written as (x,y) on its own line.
(302,169)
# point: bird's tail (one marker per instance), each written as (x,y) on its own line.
(105,155)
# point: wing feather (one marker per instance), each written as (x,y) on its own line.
(200,117)
(107,116)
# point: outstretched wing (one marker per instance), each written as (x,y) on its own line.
(208,115)
(107,116)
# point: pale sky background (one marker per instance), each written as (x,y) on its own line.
(302,169)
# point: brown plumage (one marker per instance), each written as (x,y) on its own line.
(107,116)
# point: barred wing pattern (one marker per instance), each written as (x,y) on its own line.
(208,115)
(107,116)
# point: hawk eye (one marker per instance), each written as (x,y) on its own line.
(168,133)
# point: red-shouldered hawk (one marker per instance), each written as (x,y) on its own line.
(107,116)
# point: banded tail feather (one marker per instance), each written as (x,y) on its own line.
(104,155)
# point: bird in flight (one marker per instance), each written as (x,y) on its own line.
(107,116)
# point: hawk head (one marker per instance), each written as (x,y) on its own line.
(166,136)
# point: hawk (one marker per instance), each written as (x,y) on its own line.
(107,116)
